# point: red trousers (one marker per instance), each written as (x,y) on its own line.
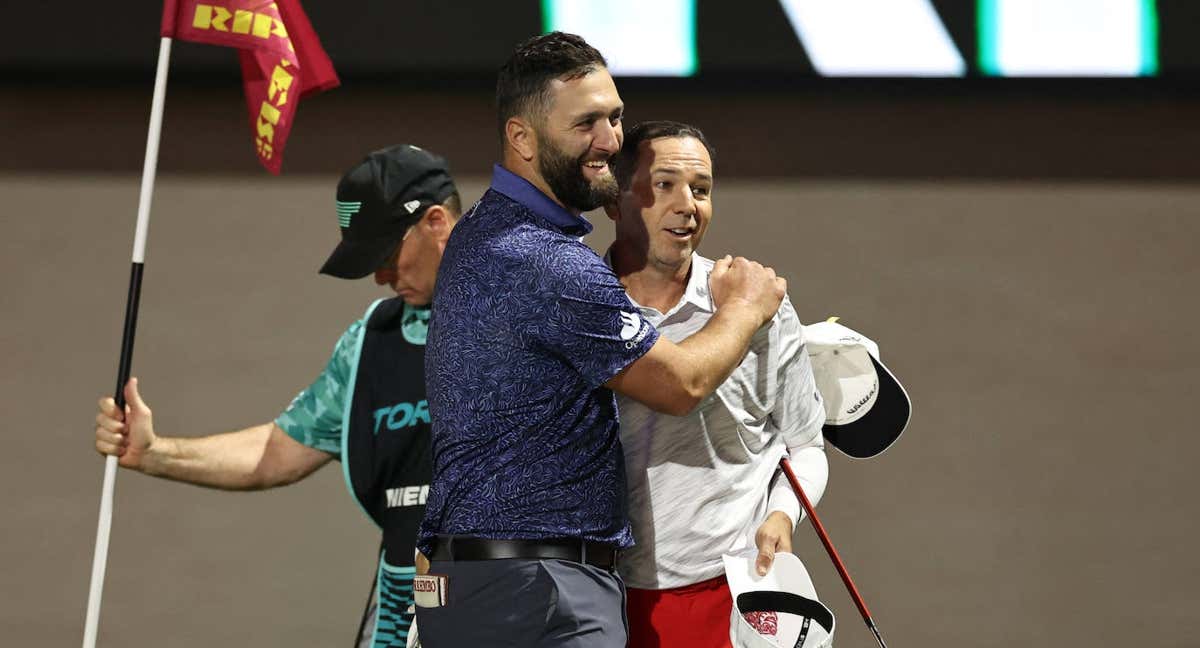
(693,616)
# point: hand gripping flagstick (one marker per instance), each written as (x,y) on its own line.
(833,554)
(149,167)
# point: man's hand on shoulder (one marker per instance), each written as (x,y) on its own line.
(737,281)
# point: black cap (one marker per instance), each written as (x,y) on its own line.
(378,200)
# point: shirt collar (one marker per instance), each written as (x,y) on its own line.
(522,191)
(695,293)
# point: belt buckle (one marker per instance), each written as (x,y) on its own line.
(612,553)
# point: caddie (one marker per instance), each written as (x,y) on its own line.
(367,408)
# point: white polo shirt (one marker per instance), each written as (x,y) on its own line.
(701,484)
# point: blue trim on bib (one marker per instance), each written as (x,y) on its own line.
(349,403)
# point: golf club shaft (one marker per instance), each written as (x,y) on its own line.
(833,554)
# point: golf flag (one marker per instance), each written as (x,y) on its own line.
(281,57)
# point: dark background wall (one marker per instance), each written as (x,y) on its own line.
(1071,130)
(1042,495)
(1024,252)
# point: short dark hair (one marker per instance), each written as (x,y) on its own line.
(627,160)
(523,83)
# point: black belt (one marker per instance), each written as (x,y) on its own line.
(596,554)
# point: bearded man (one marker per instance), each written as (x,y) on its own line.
(530,335)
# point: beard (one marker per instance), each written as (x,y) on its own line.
(564,175)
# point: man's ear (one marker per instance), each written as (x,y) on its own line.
(437,219)
(521,137)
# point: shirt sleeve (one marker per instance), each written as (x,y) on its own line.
(588,320)
(799,416)
(800,410)
(315,415)
(812,471)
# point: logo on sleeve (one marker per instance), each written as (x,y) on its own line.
(631,323)
(634,329)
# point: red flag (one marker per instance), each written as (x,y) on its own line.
(282,59)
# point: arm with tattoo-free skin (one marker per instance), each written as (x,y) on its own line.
(254,458)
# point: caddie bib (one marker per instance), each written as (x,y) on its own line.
(386,449)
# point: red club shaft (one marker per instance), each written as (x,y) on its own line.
(833,554)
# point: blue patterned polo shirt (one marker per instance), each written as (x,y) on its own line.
(528,324)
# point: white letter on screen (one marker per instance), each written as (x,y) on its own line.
(875,38)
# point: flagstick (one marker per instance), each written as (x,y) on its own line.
(149,167)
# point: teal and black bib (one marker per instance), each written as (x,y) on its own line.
(386,450)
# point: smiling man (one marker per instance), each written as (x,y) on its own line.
(705,482)
(531,333)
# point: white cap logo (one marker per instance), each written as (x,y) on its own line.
(412,205)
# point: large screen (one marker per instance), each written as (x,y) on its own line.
(889,38)
(438,40)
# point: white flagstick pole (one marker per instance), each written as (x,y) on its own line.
(149,167)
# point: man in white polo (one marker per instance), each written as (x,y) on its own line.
(707,482)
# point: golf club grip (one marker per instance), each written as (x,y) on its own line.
(833,554)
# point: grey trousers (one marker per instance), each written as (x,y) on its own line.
(525,604)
